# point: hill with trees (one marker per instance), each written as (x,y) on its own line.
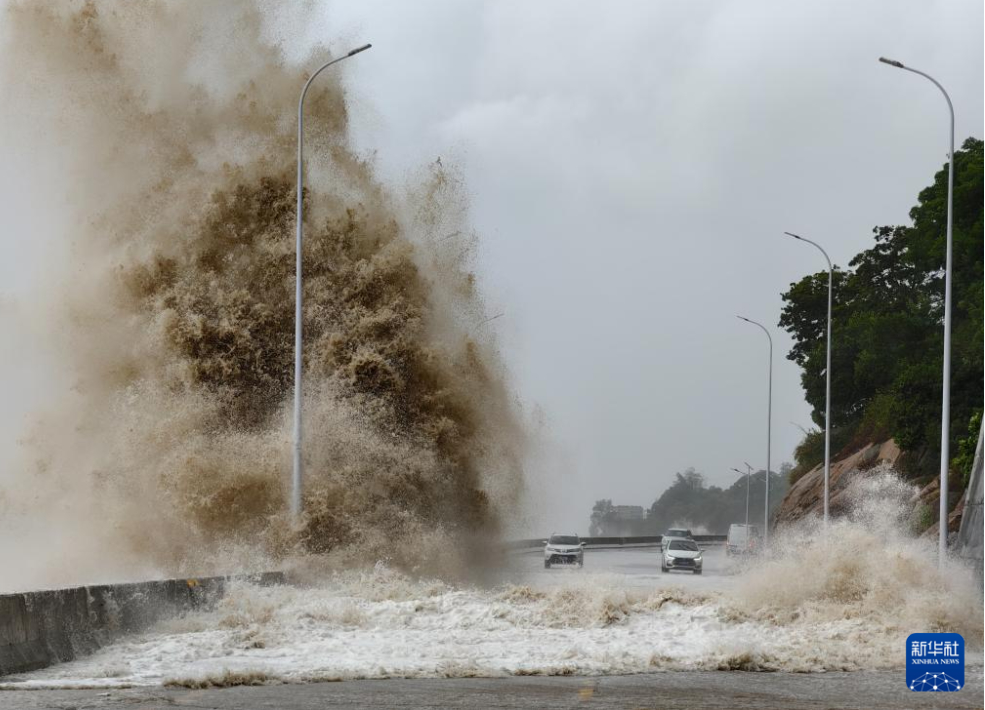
(888,334)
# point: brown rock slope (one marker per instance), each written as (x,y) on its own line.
(806,496)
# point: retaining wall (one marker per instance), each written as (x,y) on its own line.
(969,545)
(38,629)
(611,541)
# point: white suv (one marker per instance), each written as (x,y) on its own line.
(682,554)
(564,549)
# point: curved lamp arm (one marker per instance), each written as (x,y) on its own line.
(298,294)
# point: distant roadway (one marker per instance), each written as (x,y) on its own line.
(641,565)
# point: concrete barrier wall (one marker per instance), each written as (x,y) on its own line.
(610,541)
(38,629)
(970,545)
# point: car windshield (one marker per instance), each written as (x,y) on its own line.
(683,545)
(564,540)
(678,533)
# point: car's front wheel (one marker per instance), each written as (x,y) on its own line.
(663,568)
(697,571)
(547,564)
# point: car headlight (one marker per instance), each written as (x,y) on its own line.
(671,558)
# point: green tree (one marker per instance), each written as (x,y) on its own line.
(689,502)
(888,316)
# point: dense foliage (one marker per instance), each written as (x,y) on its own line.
(689,503)
(888,325)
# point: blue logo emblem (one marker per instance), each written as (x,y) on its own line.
(935,662)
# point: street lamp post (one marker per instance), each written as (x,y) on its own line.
(827,377)
(946,399)
(748,475)
(298,296)
(769,427)
(748,487)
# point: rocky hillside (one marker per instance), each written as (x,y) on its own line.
(805,497)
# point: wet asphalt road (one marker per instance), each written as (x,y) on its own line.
(663,691)
(638,567)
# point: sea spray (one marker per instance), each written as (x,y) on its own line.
(867,566)
(175,127)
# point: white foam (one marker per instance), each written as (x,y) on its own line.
(589,624)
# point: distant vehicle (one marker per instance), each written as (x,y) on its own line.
(564,550)
(682,554)
(674,534)
(742,539)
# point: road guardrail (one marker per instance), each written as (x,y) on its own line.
(626,541)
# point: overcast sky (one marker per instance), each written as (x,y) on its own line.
(632,167)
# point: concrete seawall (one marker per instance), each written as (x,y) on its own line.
(38,629)
(970,546)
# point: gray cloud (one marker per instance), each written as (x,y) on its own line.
(633,168)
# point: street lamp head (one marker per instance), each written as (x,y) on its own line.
(892,63)
(357,50)
(791,234)
(743,318)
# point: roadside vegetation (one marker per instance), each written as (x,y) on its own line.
(888,334)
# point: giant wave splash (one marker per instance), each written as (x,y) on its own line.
(171,454)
